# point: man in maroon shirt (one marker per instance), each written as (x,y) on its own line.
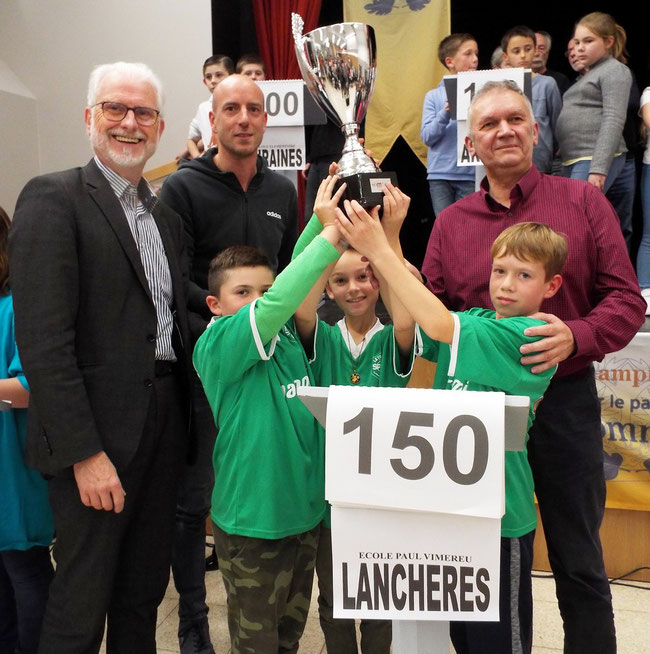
(598,310)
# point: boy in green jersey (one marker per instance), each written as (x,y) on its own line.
(358,350)
(268,497)
(478,350)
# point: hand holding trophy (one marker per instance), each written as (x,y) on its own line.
(338,63)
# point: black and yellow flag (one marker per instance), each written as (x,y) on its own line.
(408,33)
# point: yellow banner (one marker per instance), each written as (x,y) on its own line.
(623,382)
(408,33)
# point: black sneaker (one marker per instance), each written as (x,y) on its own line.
(212,562)
(196,639)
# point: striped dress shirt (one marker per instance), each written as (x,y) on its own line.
(138,203)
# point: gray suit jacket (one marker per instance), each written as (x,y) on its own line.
(85,320)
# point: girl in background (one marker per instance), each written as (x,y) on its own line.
(590,127)
(26,526)
(643,257)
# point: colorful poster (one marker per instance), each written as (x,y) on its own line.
(623,383)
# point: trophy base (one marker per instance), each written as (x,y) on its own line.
(366,188)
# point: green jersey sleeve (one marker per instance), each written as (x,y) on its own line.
(291,286)
(426,347)
(312,229)
(232,344)
(486,351)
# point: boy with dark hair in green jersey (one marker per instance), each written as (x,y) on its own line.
(358,350)
(478,350)
(268,497)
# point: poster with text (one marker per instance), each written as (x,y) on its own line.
(414,566)
(623,383)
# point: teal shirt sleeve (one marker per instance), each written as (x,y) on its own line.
(16,370)
(291,286)
(14,367)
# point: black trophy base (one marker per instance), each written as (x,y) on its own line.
(366,188)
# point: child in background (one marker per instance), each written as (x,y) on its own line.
(26,527)
(358,350)
(496,60)
(268,498)
(518,46)
(215,70)
(590,126)
(478,350)
(643,257)
(448,182)
(251,65)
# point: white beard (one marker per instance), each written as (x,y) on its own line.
(102,143)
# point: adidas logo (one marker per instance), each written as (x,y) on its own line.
(274,215)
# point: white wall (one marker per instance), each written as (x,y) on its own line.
(50,49)
(18,142)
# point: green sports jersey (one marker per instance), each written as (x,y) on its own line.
(375,361)
(484,356)
(269,454)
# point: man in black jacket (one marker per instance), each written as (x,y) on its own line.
(100,311)
(228,196)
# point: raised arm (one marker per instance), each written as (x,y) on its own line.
(365,233)
(293,284)
(396,206)
(325,211)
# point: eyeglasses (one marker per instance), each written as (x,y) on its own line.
(116,111)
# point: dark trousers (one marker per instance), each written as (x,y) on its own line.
(565,451)
(193,506)
(115,567)
(341,634)
(513,633)
(24,580)
(621,195)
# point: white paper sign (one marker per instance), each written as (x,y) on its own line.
(284,147)
(416,450)
(414,566)
(468,84)
(283,102)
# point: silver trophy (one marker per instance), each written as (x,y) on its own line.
(339,64)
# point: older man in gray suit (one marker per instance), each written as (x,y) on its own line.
(99,294)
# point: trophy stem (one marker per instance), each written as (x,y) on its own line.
(354,159)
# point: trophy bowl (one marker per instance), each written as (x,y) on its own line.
(339,65)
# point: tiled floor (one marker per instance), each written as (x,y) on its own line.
(632,607)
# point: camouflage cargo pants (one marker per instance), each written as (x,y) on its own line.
(268,584)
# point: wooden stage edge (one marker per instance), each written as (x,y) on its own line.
(625,536)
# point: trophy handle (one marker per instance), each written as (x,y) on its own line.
(297,24)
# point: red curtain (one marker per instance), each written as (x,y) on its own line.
(274,37)
(275,41)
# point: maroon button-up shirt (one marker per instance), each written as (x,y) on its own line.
(599,299)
